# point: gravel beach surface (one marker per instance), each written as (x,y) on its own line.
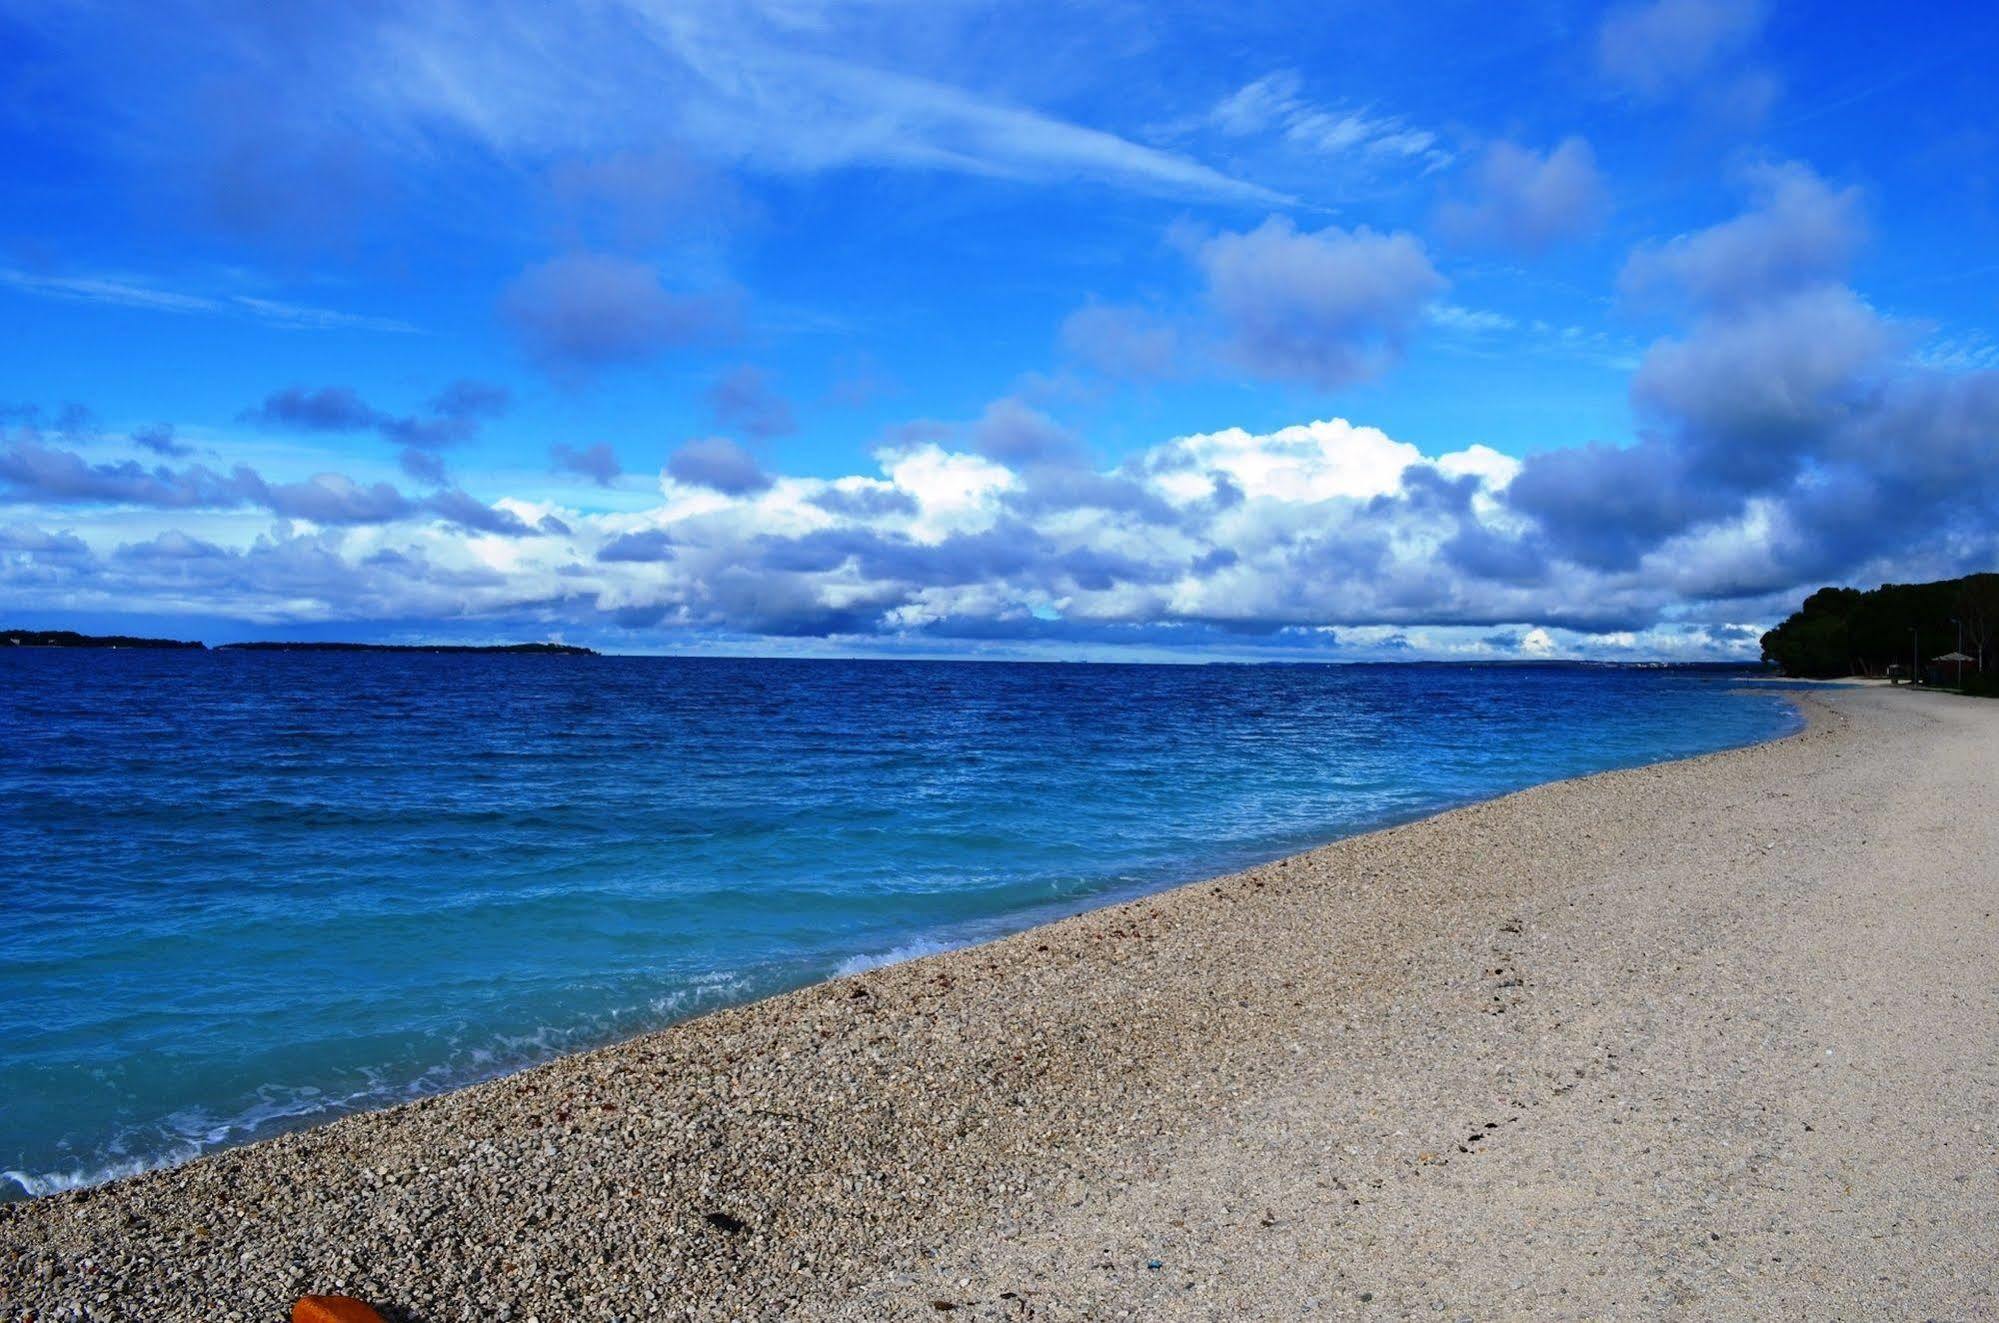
(1713,1039)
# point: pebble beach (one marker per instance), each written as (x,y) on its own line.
(1716,1038)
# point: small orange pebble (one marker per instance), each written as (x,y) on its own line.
(333,1309)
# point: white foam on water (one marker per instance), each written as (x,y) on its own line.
(186,1135)
(55,1182)
(916,950)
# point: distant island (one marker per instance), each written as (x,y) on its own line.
(65,638)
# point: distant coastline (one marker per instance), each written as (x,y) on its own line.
(556,649)
(64,638)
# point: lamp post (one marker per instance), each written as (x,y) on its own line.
(1915,656)
(1960,650)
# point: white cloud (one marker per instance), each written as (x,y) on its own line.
(126,292)
(1799,231)
(1470,321)
(748,83)
(1228,539)
(953,493)
(1970,351)
(1326,308)
(1528,201)
(1493,470)
(1657,48)
(1275,105)
(1201,539)
(1306,463)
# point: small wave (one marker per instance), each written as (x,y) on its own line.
(33,1186)
(188,1134)
(915,950)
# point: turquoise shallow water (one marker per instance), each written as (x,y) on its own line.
(245,891)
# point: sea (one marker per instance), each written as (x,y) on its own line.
(244,892)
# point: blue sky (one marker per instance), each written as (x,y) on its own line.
(1349,330)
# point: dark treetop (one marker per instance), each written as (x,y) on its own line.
(1844,631)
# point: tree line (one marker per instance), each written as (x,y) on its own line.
(1845,631)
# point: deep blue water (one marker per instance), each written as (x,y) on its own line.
(240,891)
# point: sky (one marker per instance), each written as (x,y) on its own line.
(1339,330)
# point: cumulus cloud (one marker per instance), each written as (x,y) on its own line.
(455,414)
(1606,507)
(159,439)
(1326,308)
(864,499)
(598,462)
(638,199)
(718,463)
(332,498)
(1788,434)
(327,409)
(466,398)
(33,471)
(28,541)
(1658,48)
(1772,374)
(76,422)
(1798,231)
(1321,535)
(426,466)
(1699,52)
(585,311)
(742,400)
(1018,435)
(475,516)
(1121,341)
(646,546)
(169,546)
(1528,202)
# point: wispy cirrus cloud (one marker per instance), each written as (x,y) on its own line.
(1275,106)
(769,87)
(128,293)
